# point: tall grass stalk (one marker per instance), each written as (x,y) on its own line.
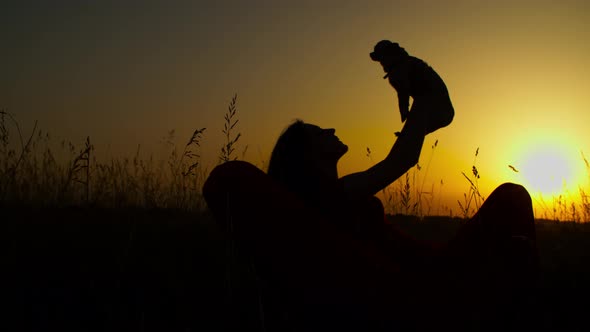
(584,197)
(12,163)
(231,121)
(472,199)
(419,208)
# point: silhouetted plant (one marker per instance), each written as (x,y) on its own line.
(9,174)
(585,202)
(418,205)
(194,142)
(405,194)
(473,196)
(81,164)
(230,141)
(575,216)
(31,177)
(584,197)
(190,174)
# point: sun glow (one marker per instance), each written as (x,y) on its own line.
(547,171)
(550,169)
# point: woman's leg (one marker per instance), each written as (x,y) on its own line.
(504,225)
(494,258)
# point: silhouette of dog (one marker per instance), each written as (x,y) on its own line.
(412,77)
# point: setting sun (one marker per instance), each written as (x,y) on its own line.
(550,169)
(547,171)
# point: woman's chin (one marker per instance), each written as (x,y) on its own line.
(343,149)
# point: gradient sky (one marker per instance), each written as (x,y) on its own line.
(126,73)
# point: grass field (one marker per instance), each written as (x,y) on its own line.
(129,244)
(164,270)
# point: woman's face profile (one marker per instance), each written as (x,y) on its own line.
(324,144)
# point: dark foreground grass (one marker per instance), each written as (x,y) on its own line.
(111,270)
(166,270)
(563,297)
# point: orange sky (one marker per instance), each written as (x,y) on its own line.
(127,74)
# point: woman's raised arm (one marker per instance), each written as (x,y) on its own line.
(403,155)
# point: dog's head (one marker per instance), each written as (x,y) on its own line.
(386,49)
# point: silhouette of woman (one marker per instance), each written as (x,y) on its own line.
(490,263)
(329,260)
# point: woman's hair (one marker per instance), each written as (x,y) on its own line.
(288,161)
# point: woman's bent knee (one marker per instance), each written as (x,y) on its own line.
(513,187)
(508,203)
(515,192)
